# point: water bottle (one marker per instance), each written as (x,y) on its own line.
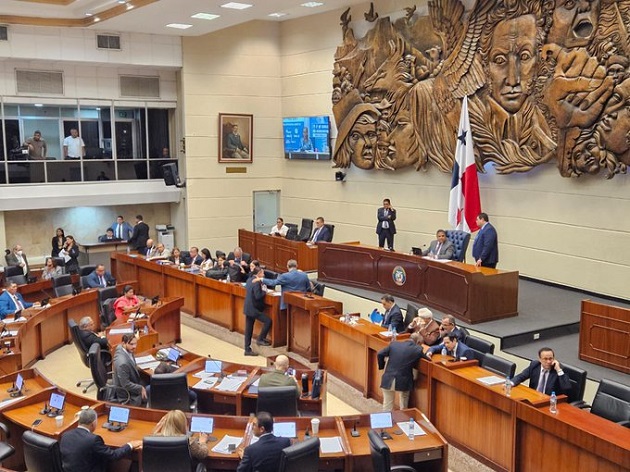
(145,330)
(128,249)
(394,333)
(444,351)
(553,403)
(411,431)
(228,279)
(508,386)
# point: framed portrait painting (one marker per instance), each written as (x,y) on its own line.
(236,135)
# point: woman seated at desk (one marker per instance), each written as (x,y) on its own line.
(126,304)
(176,257)
(206,260)
(174,423)
(50,269)
(426,326)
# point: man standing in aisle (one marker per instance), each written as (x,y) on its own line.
(140,235)
(486,246)
(73,146)
(122,229)
(255,310)
(292,281)
(386,228)
(17,258)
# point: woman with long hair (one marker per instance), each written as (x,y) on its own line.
(174,423)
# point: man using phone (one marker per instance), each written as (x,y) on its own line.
(545,374)
(281,376)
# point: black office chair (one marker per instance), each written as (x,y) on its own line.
(331,228)
(305,230)
(479,344)
(170,392)
(300,457)
(84,281)
(102,377)
(82,349)
(612,401)
(412,312)
(318,288)
(60,262)
(381,456)
(460,240)
(292,233)
(6,450)
(86,269)
(13,271)
(106,298)
(62,285)
(578,382)
(18,279)
(171,453)
(278,401)
(498,365)
(41,454)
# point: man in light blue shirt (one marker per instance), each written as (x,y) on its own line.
(292,281)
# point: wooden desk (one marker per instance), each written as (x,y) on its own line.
(274,252)
(473,294)
(605,335)
(303,319)
(98,253)
(41,289)
(34,382)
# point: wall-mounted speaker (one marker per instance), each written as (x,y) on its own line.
(171,176)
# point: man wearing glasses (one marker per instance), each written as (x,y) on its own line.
(447,326)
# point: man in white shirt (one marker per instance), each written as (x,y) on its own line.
(73,146)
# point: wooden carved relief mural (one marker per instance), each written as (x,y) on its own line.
(547,80)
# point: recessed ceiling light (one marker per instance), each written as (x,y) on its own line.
(96,19)
(88,14)
(312,4)
(205,16)
(277,15)
(39,105)
(178,26)
(236,5)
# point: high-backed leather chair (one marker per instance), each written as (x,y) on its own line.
(305,230)
(169,392)
(18,279)
(381,456)
(278,401)
(6,450)
(479,344)
(41,454)
(86,269)
(498,365)
(102,377)
(460,240)
(578,382)
(13,271)
(331,228)
(318,288)
(62,285)
(82,349)
(106,298)
(412,312)
(612,401)
(300,457)
(292,233)
(166,453)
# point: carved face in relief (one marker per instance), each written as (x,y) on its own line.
(574,22)
(614,127)
(512,62)
(362,142)
(403,146)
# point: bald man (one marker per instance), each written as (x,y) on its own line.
(279,377)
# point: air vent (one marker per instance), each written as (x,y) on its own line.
(108,41)
(4,33)
(39,82)
(139,86)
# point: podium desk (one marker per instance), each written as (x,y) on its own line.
(274,251)
(473,294)
(605,335)
(428,452)
(303,321)
(98,253)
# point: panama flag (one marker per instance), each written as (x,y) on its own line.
(464,202)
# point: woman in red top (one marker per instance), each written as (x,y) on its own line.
(127,303)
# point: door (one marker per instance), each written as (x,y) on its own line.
(266,210)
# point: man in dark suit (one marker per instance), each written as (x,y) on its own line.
(386,228)
(545,374)
(238,268)
(322,233)
(108,237)
(126,375)
(454,348)
(486,246)
(84,451)
(100,278)
(393,316)
(398,376)
(254,310)
(17,258)
(441,248)
(292,281)
(140,235)
(263,455)
(121,229)
(88,336)
(448,326)
(11,301)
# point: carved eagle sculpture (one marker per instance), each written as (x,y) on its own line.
(371,16)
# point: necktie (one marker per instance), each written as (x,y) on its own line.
(119,232)
(437,249)
(316,235)
(103,284)
(18,303)
(543,382)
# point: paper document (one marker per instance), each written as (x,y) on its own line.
(330,445)
(273,293)
(491,380)
(202,374)
(417,430)
(387,334)
(227,445)
(144,359)
(121,331)
(21,319)
(231,384)
(149,365)
(206,384)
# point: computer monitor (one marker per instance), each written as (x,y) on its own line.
(119,415)
(173,355)
(285,430)
(201,424)
(19,383)
(381,420)
(213,367)
(57,401)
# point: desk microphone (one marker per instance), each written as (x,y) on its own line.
(45,410)
(355,433)
(12,388)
